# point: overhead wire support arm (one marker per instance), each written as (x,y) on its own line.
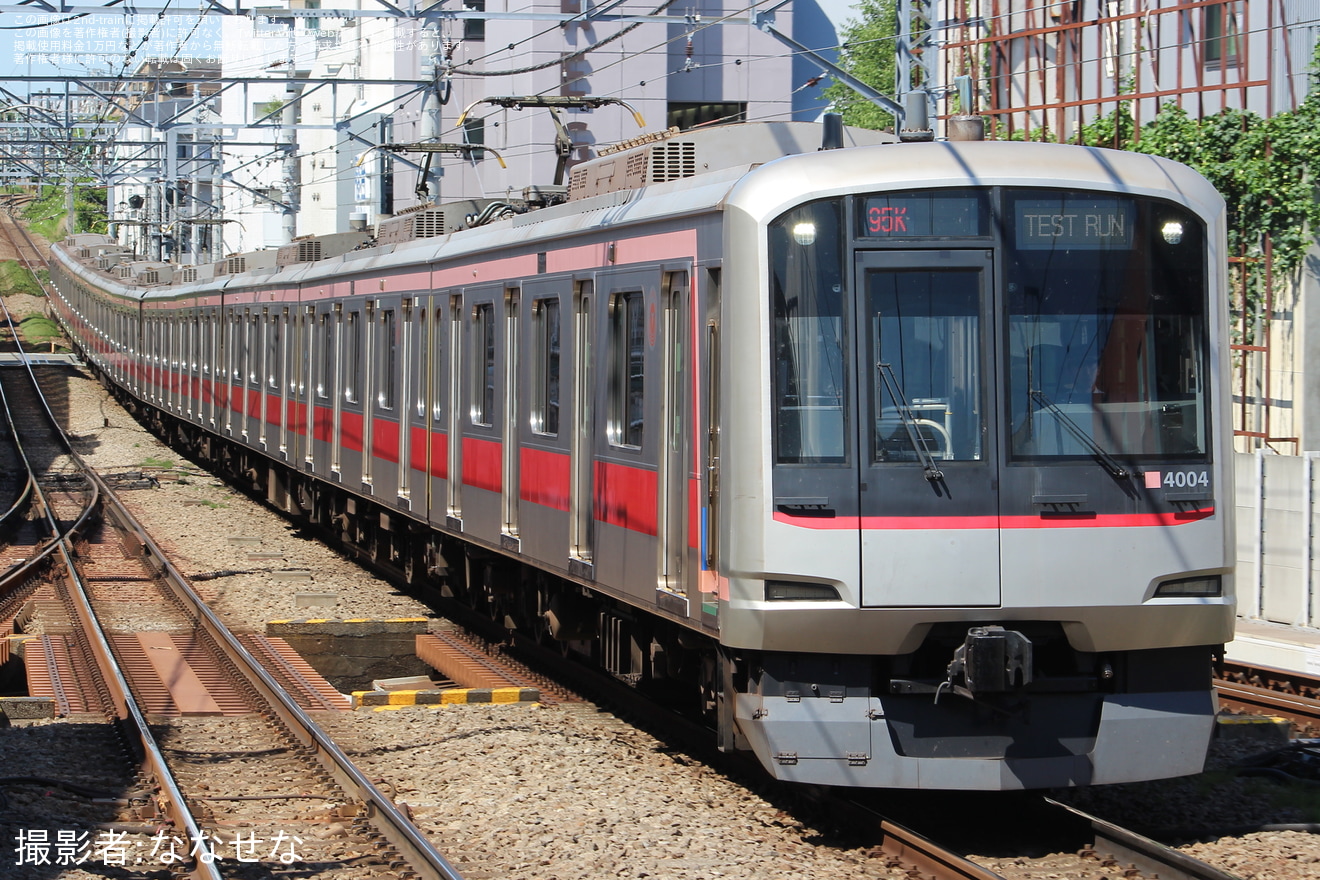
(561,102)
(765,22)
(429,148)
(555,103)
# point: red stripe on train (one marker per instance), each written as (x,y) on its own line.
(385,440)
(440,455)
(544,478)
(625,496)
(482,464)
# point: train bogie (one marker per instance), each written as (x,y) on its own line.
(905,459)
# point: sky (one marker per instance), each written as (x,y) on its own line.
(55,44)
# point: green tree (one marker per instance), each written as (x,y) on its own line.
(868,52)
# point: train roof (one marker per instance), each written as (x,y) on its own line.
(643,181)
(776,187)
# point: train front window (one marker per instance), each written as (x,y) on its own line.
(1106,326)
(924,337)
(809,303)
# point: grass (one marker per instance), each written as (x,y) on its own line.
(1282,795)
(38,331)
(15,279)
(157,463)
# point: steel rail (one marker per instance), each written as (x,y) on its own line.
(929,858)
(1257,689)
(127,714)
(24,570)
(1148,856)
(397,829)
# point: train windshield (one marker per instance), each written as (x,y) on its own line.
(811,316)
(1105,301)
(1088,310)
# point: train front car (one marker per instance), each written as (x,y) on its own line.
(982,461)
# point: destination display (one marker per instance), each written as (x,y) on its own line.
(922,215)
(1076,224)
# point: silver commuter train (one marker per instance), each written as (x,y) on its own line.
(906,461)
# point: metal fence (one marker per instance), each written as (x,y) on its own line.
(1277,578)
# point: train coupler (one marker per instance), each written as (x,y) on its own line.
(991,660)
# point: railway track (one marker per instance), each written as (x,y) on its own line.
(29,254)
(113,617)
(1265,690)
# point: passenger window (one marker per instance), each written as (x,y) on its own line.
(327,358)
(273,354)
(253,350)
(483,384)
(423,356)
(388,355)
(353,366)
(628,361)
(545,381)
(437,366)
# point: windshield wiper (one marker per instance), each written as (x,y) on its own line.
(1106,460)
(928,466)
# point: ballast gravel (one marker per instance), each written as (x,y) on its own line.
(571,792)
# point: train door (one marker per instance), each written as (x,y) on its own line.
(265,380)
(582,520)
(287,323)
(483,422)
(370,390)
(173,327)
(196,355)
(454,479)
(338,391)
(420,368)
(672,496)
(251,380)
(927,489)
(206,369)
(231,368)
(300,417)
(402,368)
(509,484)
(437,429)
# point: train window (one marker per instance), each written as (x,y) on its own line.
(235,347)
(545,364)
(437,366)
(273,353)
(924,333)
(809,335)
(252,348)
(1106,326)
(483,381)
(423,349)
(353,364)
(627,370)
(389,347)
(325,366)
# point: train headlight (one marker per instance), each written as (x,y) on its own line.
(804,233)
(1185,588)
(1172,231)
(799,591)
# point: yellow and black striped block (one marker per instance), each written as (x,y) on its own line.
(451,696)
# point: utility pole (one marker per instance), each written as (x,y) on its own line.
(917,63)
(288,139)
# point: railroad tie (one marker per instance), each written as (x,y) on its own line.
(186,689)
